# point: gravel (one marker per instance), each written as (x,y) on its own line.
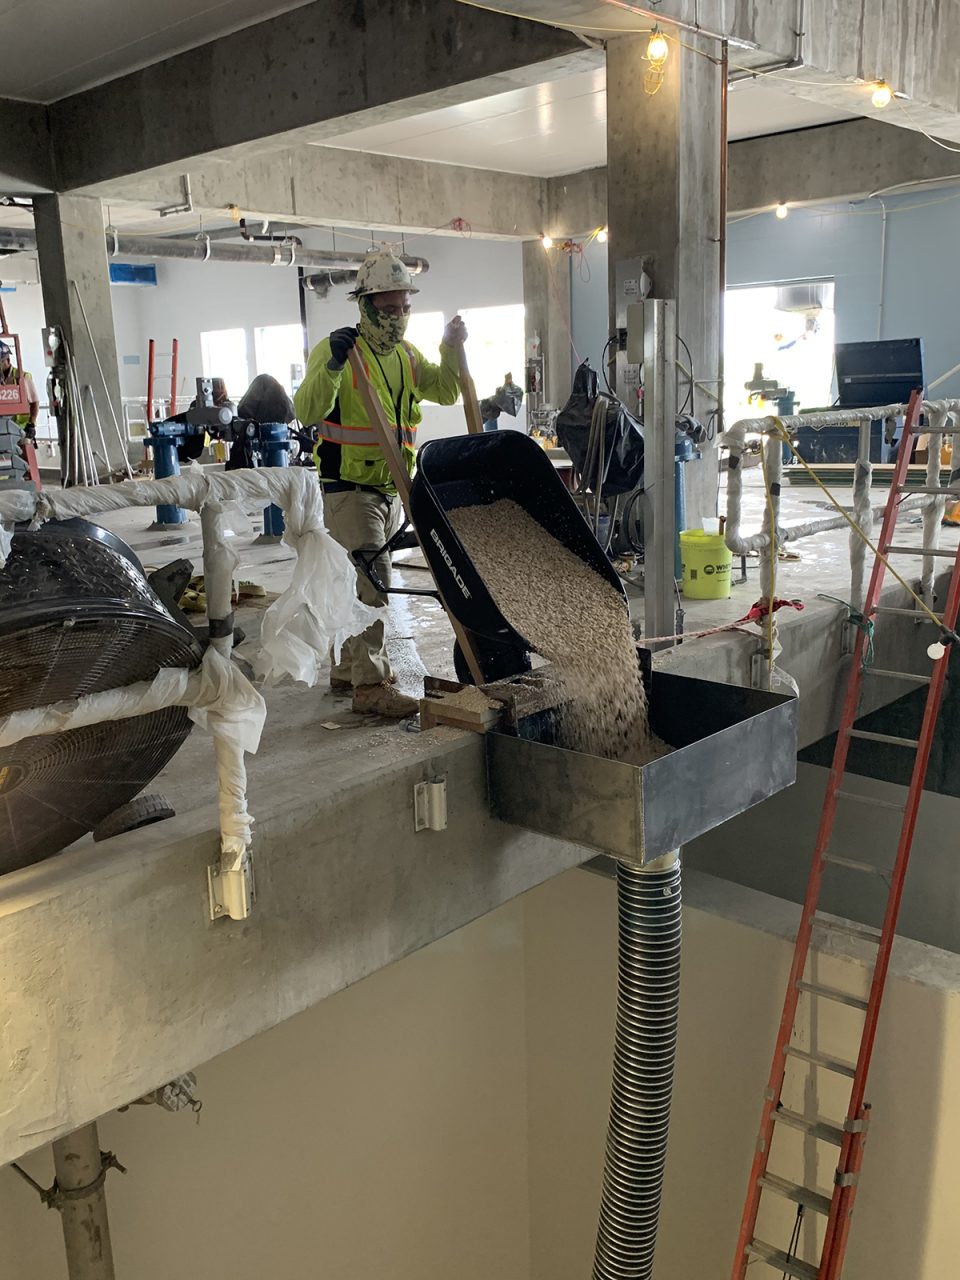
(571,616)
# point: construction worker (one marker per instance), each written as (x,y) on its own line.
(361,505)
(9,375)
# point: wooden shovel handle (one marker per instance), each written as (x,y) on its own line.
(401,479)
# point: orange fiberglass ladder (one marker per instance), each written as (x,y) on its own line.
(849,1134)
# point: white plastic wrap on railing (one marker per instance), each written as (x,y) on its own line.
(317,611)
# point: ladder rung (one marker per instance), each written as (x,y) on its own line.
(890,738)
(896,675)
(929,489)
(906,613)
(934,431)
(832,993)
(837,1065)
(852,864)
(880,804)
(892,549)
(799,1195)
(821,1129)
(781,1261)
(853,930)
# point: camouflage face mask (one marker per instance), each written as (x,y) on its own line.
(381,331)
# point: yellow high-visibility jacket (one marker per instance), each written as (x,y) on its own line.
(330,400)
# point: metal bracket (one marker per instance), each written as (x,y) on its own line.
(231,890)
(430,805)
(845,1179)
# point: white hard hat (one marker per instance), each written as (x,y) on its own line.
(382,272)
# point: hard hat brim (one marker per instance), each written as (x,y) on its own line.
(365,293)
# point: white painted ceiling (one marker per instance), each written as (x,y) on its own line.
(560,127)
(57,47)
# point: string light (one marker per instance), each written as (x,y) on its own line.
(657,47)
(603,235)
(782,210)
(882,95)
(546,241)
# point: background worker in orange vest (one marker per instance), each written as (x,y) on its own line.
(27,422)
(361,506)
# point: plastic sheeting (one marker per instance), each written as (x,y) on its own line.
(318,610)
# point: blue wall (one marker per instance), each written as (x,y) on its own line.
(921,285)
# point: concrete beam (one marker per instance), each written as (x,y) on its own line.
(845,161)
(344,887)
(324,67)
(26,159)
(833,162)
(335,187)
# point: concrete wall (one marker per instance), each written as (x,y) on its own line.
(448,1114)
(769,849)
(734,976)
(380,1133)
(193,297)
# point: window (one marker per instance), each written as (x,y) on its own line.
(496,346)
(279,352)
(223,353)
(789,329)
(425,331)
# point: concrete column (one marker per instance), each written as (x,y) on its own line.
(72,252)
(663,190)
(546,298)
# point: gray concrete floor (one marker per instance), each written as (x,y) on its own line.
(420,639)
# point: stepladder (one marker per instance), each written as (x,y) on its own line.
(815,1117)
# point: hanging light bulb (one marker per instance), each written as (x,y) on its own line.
(882,94)
(603,235)
(547,241)
(782,210)
(657,47)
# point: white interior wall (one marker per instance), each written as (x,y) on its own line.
(381,1133)
(192,297)
(448,1114)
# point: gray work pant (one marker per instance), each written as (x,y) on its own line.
(361,520)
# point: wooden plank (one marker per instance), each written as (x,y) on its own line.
(401,479)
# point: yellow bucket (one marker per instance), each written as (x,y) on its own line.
(706,565)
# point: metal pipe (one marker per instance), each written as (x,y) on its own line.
(695,27)
(883,267)
(151,357)
(174,355)
(722,229)
(648,1002)
(82,1204)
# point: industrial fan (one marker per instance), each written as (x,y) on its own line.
(77,616)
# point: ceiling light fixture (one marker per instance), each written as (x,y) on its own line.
(782,210)
(882,94)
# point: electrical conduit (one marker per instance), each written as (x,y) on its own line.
(648,999)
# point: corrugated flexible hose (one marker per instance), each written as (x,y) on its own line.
(648,999)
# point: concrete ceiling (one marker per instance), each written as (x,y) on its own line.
(551,129)
(63,46)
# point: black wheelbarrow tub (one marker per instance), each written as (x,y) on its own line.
(475,470)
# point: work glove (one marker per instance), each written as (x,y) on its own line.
(342,342)
(455,333)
